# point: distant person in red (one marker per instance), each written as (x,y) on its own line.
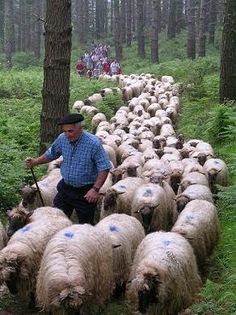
(106,66)
(80,68)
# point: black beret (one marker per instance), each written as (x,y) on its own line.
(71,119)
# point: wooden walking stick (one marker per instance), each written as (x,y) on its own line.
(37,186)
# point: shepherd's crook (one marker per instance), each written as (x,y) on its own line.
(37,186)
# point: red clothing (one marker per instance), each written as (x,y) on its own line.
(106,67)
(80,67)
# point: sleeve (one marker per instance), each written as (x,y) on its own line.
(54,152)
(101,158)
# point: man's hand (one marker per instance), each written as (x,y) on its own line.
(91,196)
(30,162)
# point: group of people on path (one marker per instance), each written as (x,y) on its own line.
(97,62)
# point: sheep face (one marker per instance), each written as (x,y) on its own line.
(9,271)
(146,214)
(110,200)
(71,299)
(28,196)
(181,202)
(17,218)
(148,294)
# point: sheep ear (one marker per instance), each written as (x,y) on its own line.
(29,214)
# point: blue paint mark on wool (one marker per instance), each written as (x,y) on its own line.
(114,228)
(216,162)
(69,234)
(166,243)
(26,229)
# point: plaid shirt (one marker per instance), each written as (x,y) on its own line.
(82,160)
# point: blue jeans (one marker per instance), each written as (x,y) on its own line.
(69,198)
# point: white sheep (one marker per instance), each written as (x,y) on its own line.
(150,206)
(217,172)
(20,259)
(97,118)
(18,217)
(93,99)
(48,189)
(118,198)
(76,270)
(164,277)
(126,233)
(78,105)
(199,224)
(192,192)
(191,179)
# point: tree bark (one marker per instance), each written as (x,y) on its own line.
(191,40)
(56,69)
(171,30)
(202,28)
(212,22)
(8,32)
(129,23)
(228,54)
(1,25)
(140,29)
(117,37)
(155,30)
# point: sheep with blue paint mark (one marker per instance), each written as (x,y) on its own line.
(76,270)
(20,259)
(126,233)
(199,224)
(152,207)
(164,277)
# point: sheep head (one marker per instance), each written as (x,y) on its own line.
(71,298)
(110,199)
(148,294)
(9,270)
(146,214)
(28,194)
(17,218)
(181,202)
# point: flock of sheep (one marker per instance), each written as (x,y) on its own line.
(156,222)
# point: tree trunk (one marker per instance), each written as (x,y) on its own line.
(1,26)
(228,54)
(202,29)
(122,21)
(171,31)
(164,13)
(191,40)
(212,22)
(117,38)
(129,23)
(37,19)
(8,32)
(180,18)
(140,29)
(56,69)
(155,30)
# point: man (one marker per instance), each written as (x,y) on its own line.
(84,168)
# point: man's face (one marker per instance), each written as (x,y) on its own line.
(72,131)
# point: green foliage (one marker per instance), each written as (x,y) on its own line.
(109,105)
